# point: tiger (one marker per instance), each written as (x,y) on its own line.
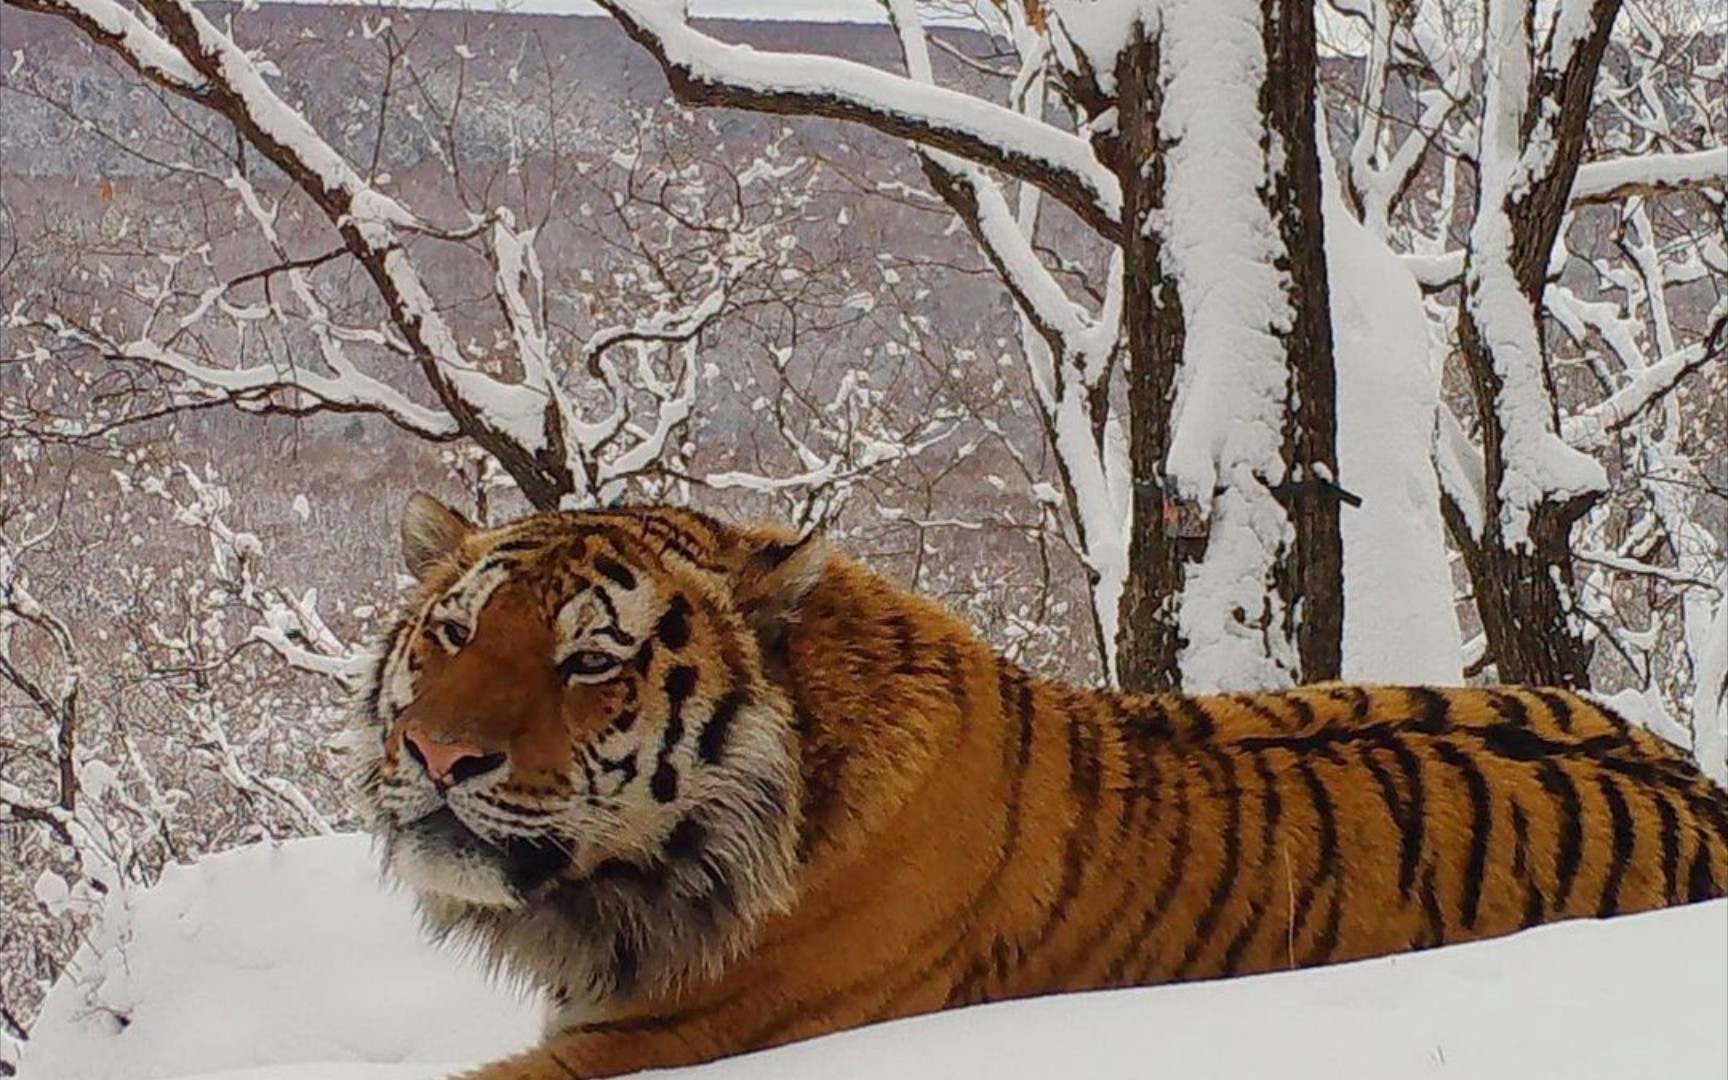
(711,789)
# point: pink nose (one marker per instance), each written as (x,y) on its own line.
(449,762)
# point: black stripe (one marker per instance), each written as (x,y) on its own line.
(1257,704)
(1200,725)
(1521,869)
(1085,775)
(1558,784)
(1328,840)
(1669,833)
(626,963)
(510,547)
(616,571)
(1326,942)
(1231,792)
(1023,716)
(1700,882)
(1558,706)
(954,675)
(1431,909)
(1433,710)
(1261,901)
(1481,827)
(905,637)
(685,841)
(1085,769)
(375,688)
(711,744)
(1173,874)
(1271,801)
(673,629)
(1232,962)
(1513,710)
(1621,817)
(1326,858)
(1149,720)
(680,684)
(1387,786)
(1413,831)
(625,766)
(1137,803)
(1355,697)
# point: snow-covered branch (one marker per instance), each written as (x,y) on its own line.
(1622,178)
(704,70)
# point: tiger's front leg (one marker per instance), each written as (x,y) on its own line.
(584,1055)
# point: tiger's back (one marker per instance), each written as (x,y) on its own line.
(1087,839)
(1223,835)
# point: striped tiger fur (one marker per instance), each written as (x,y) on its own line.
(714,789)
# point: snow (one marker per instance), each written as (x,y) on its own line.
(268,955)
(1710,704)
(290,962)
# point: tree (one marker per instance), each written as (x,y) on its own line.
(1219,330)
(1565,213)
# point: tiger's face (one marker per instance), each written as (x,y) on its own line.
(577,703)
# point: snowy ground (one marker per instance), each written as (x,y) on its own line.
(291,963)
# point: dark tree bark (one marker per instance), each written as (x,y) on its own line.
(1309,578)
(1147,642)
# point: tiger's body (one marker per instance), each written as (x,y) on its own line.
(720,790)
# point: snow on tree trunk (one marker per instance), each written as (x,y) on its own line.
(1401,623)
(1709,637)
(1252,435)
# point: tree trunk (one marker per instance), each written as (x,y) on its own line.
(1523,586)
(1522,590)
(1310,576)
(1308,573)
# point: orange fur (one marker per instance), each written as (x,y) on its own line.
(844,808)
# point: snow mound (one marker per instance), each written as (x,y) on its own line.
(289,962)
(270,954)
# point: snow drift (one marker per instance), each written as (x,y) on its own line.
(291,962)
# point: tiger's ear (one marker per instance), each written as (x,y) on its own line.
(431,531)
(774,577)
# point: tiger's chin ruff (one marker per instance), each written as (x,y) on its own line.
(602,935)
(626,931)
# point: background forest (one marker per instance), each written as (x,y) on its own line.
(1173,344)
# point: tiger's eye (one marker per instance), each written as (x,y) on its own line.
(587,662)
(454,633)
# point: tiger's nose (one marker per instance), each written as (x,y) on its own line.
(449,761)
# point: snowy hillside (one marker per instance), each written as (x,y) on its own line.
(292,963)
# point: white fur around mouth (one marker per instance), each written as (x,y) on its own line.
(438,854)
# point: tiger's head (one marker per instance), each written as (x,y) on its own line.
(574,752)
